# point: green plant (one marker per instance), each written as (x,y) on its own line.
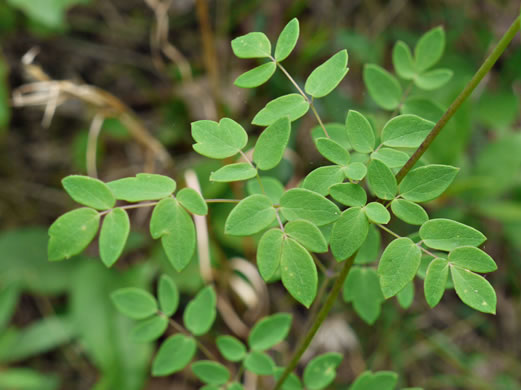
(341,207)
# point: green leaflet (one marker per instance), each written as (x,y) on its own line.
(409,212)
(292,382)
(250,216)
(377,213)
(390,157)
(145,186)
(381,180)
(446,234)
(113,236)
(349,233)
(423,108)
(429,48)
(168,295)
(271,187)
(271,144)
(71,233)
(231,348)
(406,131)
(269,253)
(474,290)
(27,378)
(149,329)
(252,45)
(327,76)
(370,249)
(307,234)
(200,313)
(218,140)
(174,354)
(435,281)
(299,203)
(298,272)
(332,151)
(398,265)
(321,370)
(259,363)
(433,79)
(89,192)
(256,76)
(134,302)
(362,287)
(473,259)
(359,132)
(382,86)
(402,61)
(192,200)
(173,225)
(349,194)
(382,380)
(233,172)
(319,180)
(287,40)
(211,372)
(269,331)
(406,295)
(355,171)
(336,131)
(292,106)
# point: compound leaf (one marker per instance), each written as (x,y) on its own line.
(474,290)
(256,76)
(435,281)
(446,234)
(271,144)
(327,76)
(402,61)
(252,45)
(269,331)
(299,203)
(349,233)
(381,180)
(113,236)
(200,312)
(174,354)
(250,216)
(287,40)
(218,140)
(429,48)
(321,370)
(89,192)
(307,234)
(382,86)
(406,131)
(292,106)
(134,302)
(359,132)
(145,186)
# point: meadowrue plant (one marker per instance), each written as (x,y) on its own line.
(339,211)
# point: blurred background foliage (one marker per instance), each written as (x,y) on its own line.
(170,63)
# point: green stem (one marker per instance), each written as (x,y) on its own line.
(471,85)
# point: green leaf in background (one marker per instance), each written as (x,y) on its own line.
(250,216)
(473,259)
(134,302)
(370,249)
(349,194)
(359,132)
(381,180)
(218,140)
(89,192)
(319,180)
(200,313)
(336,131)
(406,295)
(256,76)
(402,61)
(307,234)
(168,295)
(383,87)
(433,79)
(409,212)
(406,131)
(292,382)
(269,331)
(382,380)
(113,236)
(435,281)
(474,290)
(252,45)
(149,329)
(377,213)
(398,265)
(211,372)
(9,295)
(271,187)
(327,76)
(27,379)
(287,40)
(349,233)
(192,200)
(427,183)
(50,13)
(355,171)
(238,386)
(446,234)
(332,151)
(362,287)
(71,233)
(269,253)
(233,172)
(231,348)
(4,95)
(271,144)
(174,354)
(321,370)
(429,48)
(145,186)
(299,203)
(292,106)
(390,157)
(298,272)
(423,108)
(259,363)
